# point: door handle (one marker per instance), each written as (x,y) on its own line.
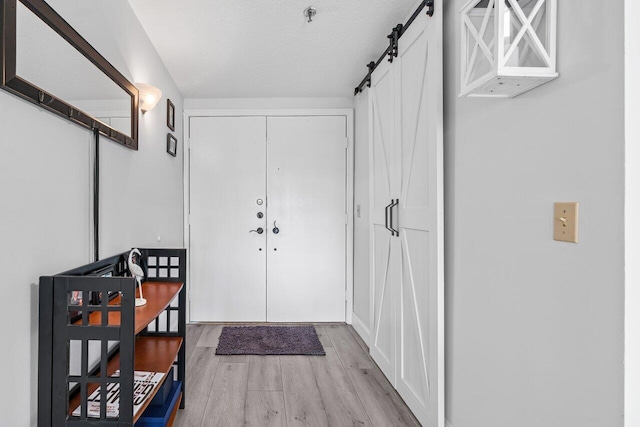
(393,205)
(386,217)
(259,230)
(275,230)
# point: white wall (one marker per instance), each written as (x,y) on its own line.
(534,326)
(361,239)
(46,197)
(45,229)
(632,213)
(266,103)
(141,192)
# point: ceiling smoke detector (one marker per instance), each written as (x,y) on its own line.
(309,13)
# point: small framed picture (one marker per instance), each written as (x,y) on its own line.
(172,145)
(171,115)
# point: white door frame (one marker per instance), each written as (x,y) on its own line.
(346,112)
(631,227)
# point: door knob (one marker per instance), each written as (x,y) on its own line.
(259,230)
(276,230)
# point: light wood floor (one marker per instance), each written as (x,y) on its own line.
(343,388)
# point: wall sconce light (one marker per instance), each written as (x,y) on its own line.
(149,96)
(508,46)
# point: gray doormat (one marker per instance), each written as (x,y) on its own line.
(270,340)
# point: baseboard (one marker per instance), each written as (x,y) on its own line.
(361,329)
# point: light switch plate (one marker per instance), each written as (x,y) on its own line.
(565,222)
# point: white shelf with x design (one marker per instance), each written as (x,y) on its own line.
(508,46)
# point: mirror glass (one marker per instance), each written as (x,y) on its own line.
(48,61)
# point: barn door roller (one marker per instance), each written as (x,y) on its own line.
(392,49)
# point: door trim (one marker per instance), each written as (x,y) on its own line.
(346,112)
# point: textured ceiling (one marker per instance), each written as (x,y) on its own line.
(259,48)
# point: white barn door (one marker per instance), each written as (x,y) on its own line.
(407,220)
(385,249)
(420,370)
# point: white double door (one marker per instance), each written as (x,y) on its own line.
(267,221)
(405,111)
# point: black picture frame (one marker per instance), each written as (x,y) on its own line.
(172,145)
(171,115)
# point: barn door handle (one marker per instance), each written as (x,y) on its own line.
(386,217)
(394,204)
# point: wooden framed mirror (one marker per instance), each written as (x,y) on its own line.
(46,62)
